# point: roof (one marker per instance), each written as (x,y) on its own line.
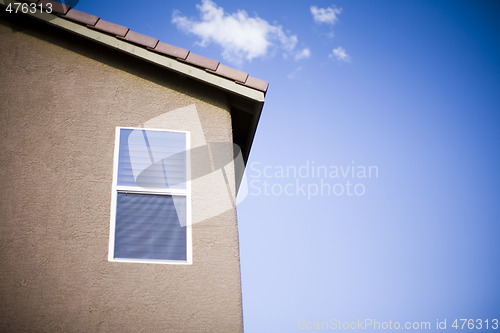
(245,93)
(92,23)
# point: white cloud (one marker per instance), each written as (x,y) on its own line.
(329,15)
(340,54)
(241,37)
(304,54)
(293,74)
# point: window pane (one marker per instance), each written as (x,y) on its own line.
(155,159)
(150,226)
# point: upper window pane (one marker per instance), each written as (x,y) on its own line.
(152,159)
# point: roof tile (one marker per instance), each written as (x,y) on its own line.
(201,61)
(140,39)
(81,17)
(57,7)
(231,73)
(111,28)
(256,84)
(171,50)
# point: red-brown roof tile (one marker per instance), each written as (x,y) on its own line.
(171,50)
(111,28)
(231,73)
(140,39)
(81,17)
(256,84)
(57,7)
(200,61)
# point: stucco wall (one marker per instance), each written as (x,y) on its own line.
(60,101)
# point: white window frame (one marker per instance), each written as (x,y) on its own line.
(142,190)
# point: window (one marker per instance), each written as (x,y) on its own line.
(151,198)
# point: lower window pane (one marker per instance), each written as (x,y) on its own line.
(150,226)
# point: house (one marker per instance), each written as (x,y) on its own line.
(118,178)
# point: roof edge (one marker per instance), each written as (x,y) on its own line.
(255,90)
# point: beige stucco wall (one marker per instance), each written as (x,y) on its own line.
(60,101)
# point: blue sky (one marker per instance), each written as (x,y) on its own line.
(413,89)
